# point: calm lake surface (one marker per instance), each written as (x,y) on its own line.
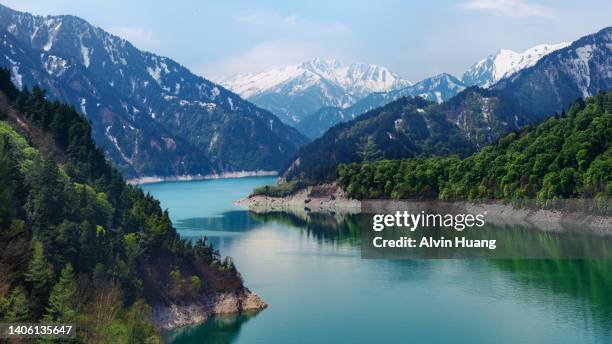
(319,290)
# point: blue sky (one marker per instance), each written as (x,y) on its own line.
(416,39)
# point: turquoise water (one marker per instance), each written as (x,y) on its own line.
(319,290)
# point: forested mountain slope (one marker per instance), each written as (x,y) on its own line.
(405,127)
(563,157)
(149,114)
(77,244)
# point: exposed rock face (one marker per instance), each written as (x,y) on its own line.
(168,317)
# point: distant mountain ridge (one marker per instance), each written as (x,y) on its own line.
(504,63)
(294,91)
(438,88)
(151,115)
(473,118)
(578,71)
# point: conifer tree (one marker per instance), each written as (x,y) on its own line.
(62,301)
(40,276)
(6,209)
(44,203)
(370,151)
(17,308)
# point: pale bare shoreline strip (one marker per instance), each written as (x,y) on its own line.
(337,201)
(234,174)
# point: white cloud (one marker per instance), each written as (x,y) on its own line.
(262,56)
(140,37)
(510,8)
(280,40)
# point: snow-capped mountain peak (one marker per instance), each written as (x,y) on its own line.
(324,67)
(359,79)
(296,90)
(250,84)
(506,62)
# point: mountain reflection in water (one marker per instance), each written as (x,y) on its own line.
(575,291)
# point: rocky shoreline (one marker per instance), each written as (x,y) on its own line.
(320,198)
(168,317)
(500,213)
(330,198)
(235,174)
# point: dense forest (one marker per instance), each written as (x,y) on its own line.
(407,127)
(77,244)
(567,156)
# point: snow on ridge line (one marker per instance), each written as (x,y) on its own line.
(507,62)
(356,78)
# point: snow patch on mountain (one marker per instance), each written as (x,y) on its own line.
(358,79)
(85,55)
(83,103)
(53,26)
(16,78)
(505,63)
(295,91)
(54,65)
(118,87)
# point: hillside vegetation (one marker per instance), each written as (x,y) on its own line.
(407,127)
(569,156)
(77,244)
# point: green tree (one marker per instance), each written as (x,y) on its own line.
(139,324)
(370,151)
(44,205)
(62,301)
(40,275)
(562,157)
(62,205)
(17,307)
(6,190)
